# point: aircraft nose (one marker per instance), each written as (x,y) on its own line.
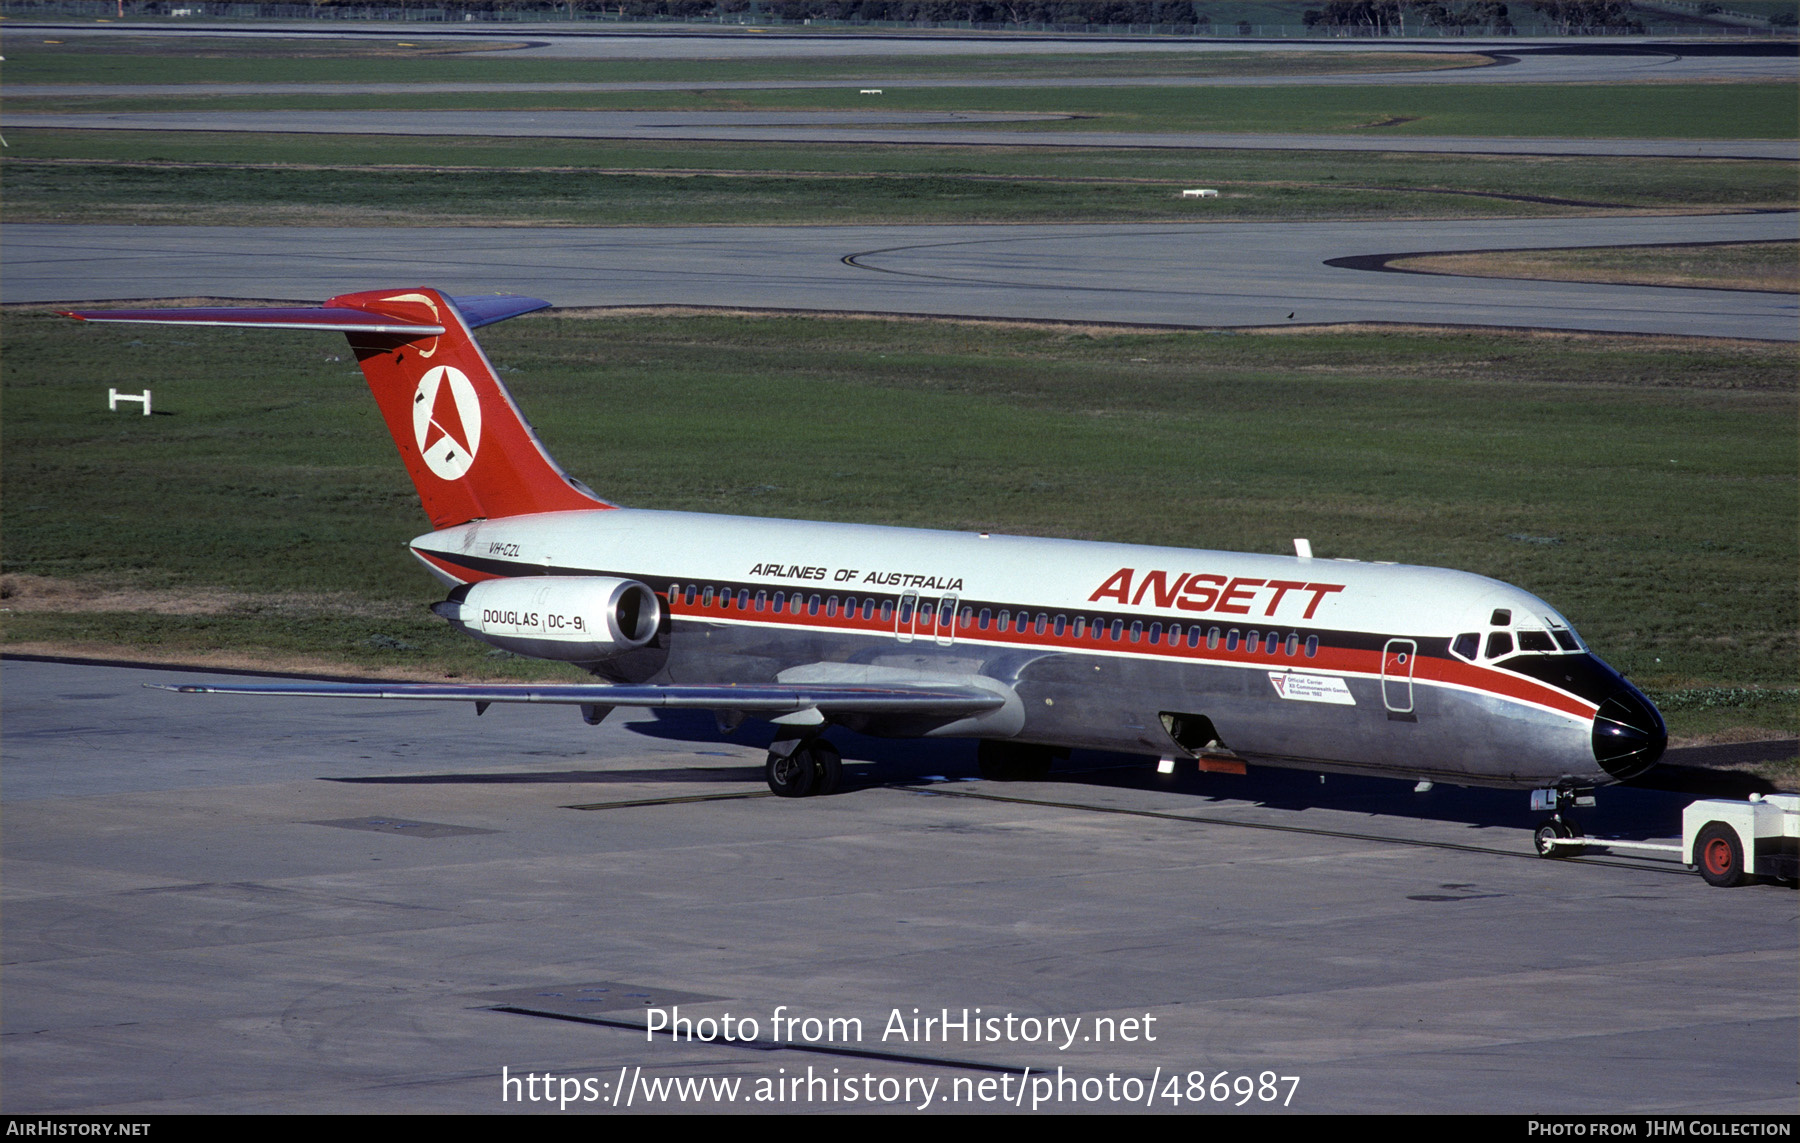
(1629,735)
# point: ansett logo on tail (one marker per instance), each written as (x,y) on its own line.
(447,421)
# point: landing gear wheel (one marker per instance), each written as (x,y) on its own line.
(1559,830)
(1719,853)
(790,775)
(828,768)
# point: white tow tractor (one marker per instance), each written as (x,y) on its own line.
(1729,842)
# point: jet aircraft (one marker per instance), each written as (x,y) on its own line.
(1031,646)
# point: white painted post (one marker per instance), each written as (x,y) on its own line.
(113,397)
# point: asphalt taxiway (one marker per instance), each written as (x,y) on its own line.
(1199,275)
(227,904)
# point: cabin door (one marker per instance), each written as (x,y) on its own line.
(1397,674)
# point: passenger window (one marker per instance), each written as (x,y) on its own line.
(1467,646)
(1004,622)
(762,601)
(869,608)
(1062,625)
(1499,643)
(780,598)
(887,610)
(1293,644)
(1212,639)
(968,616)
(1231,640)
(1271,641)
(831,606)
(706,597)
(1252,640)
(1079,626)
(1156,633)
(1118,629)
(1312,646)
(1137,632)
(743,599)
(688,596)
(812,606)
(906,610)
(1043,621)
(1193,636)
(984,618)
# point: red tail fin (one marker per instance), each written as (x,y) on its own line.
(467,447)
(469,450)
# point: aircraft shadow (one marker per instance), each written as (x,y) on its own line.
(1639,810)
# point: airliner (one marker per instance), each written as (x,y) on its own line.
(1031,646)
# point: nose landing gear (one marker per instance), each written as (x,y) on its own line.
(1559,837)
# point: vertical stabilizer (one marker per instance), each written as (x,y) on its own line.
(468,449)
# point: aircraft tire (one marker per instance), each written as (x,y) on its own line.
(792,775)
(1719,853)
(1554,828)
(828,768)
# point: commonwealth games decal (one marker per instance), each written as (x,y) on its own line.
(1311,688)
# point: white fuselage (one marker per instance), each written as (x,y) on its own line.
(1318,663)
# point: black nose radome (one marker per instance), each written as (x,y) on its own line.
(1629,736)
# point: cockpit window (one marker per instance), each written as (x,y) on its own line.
(1565,638)
(1499,644)
(1536,641)
(1467,646)
(1501,617)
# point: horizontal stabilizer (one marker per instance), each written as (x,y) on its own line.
(477,310)
(339,319)
(827,698)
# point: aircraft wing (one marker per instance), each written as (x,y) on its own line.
(769,699)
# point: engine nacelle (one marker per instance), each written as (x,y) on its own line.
(576,619)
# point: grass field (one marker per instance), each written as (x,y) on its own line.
(1646,487)
(1639,111)
(109,59)
(123,176)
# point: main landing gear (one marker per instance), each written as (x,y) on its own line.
(803,767)
(1558,837)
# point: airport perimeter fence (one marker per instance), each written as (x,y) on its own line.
(174,11)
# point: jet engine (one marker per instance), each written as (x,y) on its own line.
(576,619)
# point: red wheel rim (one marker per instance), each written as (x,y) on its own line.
(1718,855)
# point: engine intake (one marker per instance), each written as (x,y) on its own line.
(575,619)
